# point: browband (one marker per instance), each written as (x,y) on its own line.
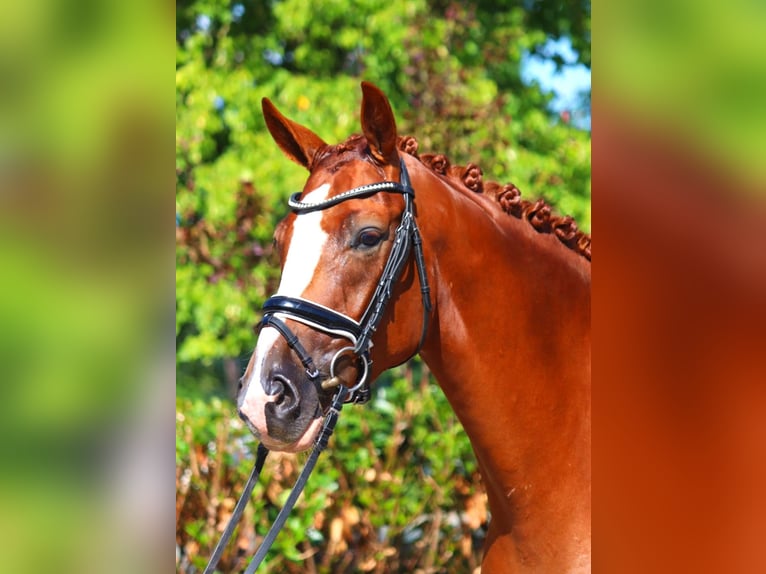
(358,192)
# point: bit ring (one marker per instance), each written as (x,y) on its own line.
(334,380)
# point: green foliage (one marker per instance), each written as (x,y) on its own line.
(452,72)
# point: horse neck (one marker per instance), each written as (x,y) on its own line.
(510,347)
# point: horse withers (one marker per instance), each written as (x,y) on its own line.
(494,293)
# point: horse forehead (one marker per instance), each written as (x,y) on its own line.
(319,193)
(345,173)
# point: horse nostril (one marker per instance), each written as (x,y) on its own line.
(285,394)
(275,386)
(288,399)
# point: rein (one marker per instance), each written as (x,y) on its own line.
(359,333)
(331,418)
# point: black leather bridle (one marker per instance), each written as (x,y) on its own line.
(359,333)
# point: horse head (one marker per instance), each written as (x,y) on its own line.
(337,246)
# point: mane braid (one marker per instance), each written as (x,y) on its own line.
(508,197)
(537,213)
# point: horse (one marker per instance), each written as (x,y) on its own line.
(491,290)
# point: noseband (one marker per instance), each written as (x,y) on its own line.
(359,333)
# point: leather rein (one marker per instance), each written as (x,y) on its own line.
(278,308)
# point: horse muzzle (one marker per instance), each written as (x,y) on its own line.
(283,408)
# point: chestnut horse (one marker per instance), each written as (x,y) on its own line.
(505,287)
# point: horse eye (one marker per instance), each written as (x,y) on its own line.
(368,238)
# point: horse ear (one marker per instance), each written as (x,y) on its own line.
(378,124)
(299,144)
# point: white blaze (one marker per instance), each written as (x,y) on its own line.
(310,239)
(307,243)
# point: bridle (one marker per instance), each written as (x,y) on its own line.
(279,307)
(359,333)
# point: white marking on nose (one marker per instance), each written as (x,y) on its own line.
(306,247)
(254,402)
(266,340)
(302,259)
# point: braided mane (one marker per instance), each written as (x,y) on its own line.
(537,213)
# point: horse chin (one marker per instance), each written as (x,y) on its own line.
(304,442)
